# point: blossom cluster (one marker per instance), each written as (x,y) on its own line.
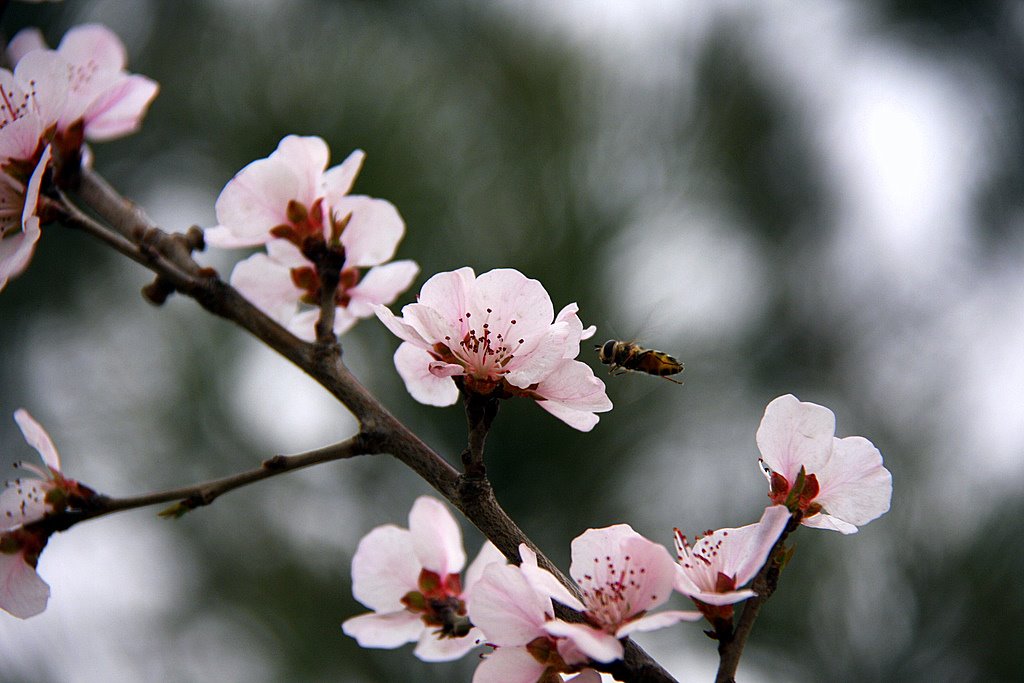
(52,102)
(409,577)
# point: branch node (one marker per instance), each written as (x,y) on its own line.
(276,462)
(157,291)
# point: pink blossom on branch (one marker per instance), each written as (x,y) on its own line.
(104,101)
(310,225)
(837,484)
(495,335)
(712,570)
(623,576)
(23,502)
(411,580)
(512,607)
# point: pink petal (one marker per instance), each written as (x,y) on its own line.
(23,42)
(658,620)
(44,75)
(712,598)
(508,665)
(381,285)
(541,353)
(268,285)
(747,547)
(386,631)
(413,364)
(507,608)
(488,554)
(573,394)
(436,537)
(120,108)
(373,232)
(569,315)
(222,237)
(306,157)
(384,569)
(598,645)
(826,521)
(431,648)
(794,434)
(441,369)
(22,593)
(855,487)
(400,328)
(94,44)
(287,254)
(337,181)
(447,293)
(37,438)
(16,251)
(544,582)
(513,296)
(303,324)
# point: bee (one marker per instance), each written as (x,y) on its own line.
(622,356)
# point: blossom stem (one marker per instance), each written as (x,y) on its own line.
(480,413)
(134,235)
(731,641)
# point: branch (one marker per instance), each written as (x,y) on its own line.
(169,256)
(198,495)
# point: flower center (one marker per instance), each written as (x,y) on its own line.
(484,352)
(439,604)
(609,600)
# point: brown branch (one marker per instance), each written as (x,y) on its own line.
(204,493)
(730,645)
(140,240)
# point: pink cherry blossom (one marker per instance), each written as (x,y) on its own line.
(310,225)
(32,99)
(495,335)
(622,576)
(512,607)
(19,220)
(844,482)
(23,502)
(104,99)
(712,570)
(410,578)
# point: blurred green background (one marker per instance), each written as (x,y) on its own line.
(816,198)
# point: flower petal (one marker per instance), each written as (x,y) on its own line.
(381,285)
(37,438)
(544,581)
(488,554)
(386,631)
(573,394)
(373,232)
(658,620)
(413,364)
(338,180)
(268,285)
(432,648)
(119,110)
(23,42)
(22,593)
(855,487)
(508,665)
(384,569)
(794,434)
(507,608)
(436,537)
(598,645)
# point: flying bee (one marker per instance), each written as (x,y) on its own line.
(623,356)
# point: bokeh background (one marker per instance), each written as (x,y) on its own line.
(816,198)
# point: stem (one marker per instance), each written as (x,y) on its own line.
(480,413)
(730,646)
